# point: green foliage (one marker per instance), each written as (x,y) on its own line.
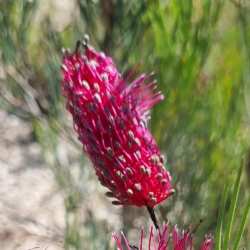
(224,237)
(200,52)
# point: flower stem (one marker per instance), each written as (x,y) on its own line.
(153,217)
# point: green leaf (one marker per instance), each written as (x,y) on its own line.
(219,229)
(242,226)
(232,209)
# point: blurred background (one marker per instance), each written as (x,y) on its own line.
(200,52)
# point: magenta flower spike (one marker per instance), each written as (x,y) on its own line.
(110,117)
(164,239)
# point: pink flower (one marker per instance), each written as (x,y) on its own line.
(164,240)
(110,117)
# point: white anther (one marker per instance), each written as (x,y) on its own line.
(97,98)
(137,187)
(137,141)
(85,84)
(122,158)
(64,67)
(93,63)
(150,194)
(110,151)
(96,87)
(104,77)
(130,191)
(159,176)
(137,154)
(164,182)
(142,169)
(129,171)
(154,159)
(77,66)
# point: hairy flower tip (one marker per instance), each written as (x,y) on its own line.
(110,118)
(164,239)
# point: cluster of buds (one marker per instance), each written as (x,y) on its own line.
(110,116)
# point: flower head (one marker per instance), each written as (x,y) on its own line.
(110,117)
(164,239)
